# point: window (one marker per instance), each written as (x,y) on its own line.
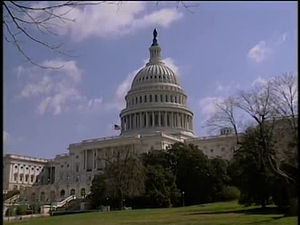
(77,156)
(161,98)
(171,98)
(175,99)
(68,165)
(145,100)
(140,99)
(155,98)
(15,177)
(150,98)
(31,178)
(61,166)
(167,98)
(16,167)
(136,100)
(26,178)
(211,150)
(77,168)
(32,168)
(223,149)
(21,167)
(21,177)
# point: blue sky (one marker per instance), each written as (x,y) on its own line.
(218,49)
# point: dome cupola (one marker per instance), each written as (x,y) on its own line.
(156,101)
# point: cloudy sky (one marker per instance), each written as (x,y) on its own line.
(218,49)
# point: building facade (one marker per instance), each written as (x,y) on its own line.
(156,116)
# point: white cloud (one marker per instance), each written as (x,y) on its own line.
(259,52)
(6,137)
(171,64)
(264,48)
(259,81)
(56,88)
(208,106)
(110,21)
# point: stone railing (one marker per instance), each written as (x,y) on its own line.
(63,202)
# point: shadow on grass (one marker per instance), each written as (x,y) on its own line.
(255,211)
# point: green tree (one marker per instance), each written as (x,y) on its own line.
(250,171)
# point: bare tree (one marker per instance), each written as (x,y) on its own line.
(21,17)
(124,174)
(224,116)
(273,109)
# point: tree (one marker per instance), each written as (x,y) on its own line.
(272,109)
(123,176)
(161,189)
(193,173)
(98,191)
(22,19)
(249,170)
(160,184)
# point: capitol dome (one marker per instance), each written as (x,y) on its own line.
(156,102)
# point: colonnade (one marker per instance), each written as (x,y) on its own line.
(156,119)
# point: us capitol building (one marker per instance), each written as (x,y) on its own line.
(156,116)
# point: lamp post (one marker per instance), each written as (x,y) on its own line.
(182,198)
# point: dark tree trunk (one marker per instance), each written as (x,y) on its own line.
(121,199)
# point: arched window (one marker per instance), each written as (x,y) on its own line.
(141,99)
(145,99)
(150,98)
(161,98)
(155,98)
(62,193)
(72,192)
(82,192)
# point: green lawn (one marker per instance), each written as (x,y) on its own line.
(225,213)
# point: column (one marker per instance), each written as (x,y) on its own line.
(159,119)
(96,151)
(153,122)
(133,121)
(141,120)
(171,119)
(166,119)
(129,122)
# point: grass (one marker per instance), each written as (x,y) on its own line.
(222,213)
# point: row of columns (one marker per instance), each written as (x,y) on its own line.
(156,119)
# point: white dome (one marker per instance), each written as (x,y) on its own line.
(155,74)
(156,101)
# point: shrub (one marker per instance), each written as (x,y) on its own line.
(21,210)
(230,193)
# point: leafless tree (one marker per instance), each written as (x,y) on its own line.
(124,173)
(224,116)
(20,17)
(273,110)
